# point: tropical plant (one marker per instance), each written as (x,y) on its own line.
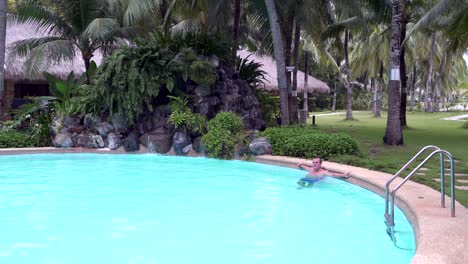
(129,81)
(68,27)
(250,71)
(182,118)
(224,134)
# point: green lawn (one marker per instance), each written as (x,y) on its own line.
(423,129)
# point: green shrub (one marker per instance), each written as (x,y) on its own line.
(306,142)
(183,118)
(224,133)
(220,143)
(229,121)
(14,139)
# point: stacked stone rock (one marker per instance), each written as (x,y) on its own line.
(153,130)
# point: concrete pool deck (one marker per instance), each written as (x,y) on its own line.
(440,239)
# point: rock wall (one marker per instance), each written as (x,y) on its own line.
(229,93)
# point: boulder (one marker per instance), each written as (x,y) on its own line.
(56,125)
(104,128)
(180,141)
(156,141)
(90,121)
(131,142)
(260,146)
(63,139)
(119,123)
(71,121)
(197,145)
(89,141)
(114,141)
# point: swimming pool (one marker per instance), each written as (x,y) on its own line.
(91,208)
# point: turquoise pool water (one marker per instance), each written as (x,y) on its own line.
(139,209)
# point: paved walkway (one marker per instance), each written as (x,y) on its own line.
(440,239)
(335,113)
(456,118)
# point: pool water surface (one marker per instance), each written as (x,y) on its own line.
(136,209)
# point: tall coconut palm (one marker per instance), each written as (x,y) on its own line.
(393,133)
(69,27)
(3,18)
(280,59)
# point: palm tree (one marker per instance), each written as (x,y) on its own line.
(393,133)
(69,27)
(280,59)
(3,18)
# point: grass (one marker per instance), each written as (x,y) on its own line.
(423,129)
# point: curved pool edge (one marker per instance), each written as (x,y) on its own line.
(440,239)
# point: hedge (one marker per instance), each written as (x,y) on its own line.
(306,142)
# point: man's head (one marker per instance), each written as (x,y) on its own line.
(317,163)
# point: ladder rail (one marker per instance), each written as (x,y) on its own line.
(387,185)
(452,181)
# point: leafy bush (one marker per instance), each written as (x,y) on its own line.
(14,139)
(131,78)
(268,107)
(229,121)
(183,118)
(224,133)
(306,142)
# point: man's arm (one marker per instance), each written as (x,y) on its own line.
(304,167)
(339,175)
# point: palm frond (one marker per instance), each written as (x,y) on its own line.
(101,29)
(42,18)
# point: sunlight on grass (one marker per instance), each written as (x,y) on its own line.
(423,129)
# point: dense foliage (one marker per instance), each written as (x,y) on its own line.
(15,139)
(183,118)
(307,142)
(224,133)
(131,78)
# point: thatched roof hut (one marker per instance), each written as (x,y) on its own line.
(14,67)
(271,82)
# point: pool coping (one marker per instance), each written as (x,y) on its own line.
(440,239)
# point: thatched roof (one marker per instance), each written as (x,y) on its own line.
(14,67)
(271,82)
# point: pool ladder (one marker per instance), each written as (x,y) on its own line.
(390,203)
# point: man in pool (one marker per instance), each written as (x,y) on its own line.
(317,173)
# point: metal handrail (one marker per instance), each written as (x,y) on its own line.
(387,186)
(452,181)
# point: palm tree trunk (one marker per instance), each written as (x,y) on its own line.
(438,86)
(428,104)
(347,72)
(380,84)
(294,106)
(333,109)
(235,30)
(374,95)
(3,18)
(288,36)
(393,133)
(306,82)
(404,95)
(163,11)
(280,61)
(413,88)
